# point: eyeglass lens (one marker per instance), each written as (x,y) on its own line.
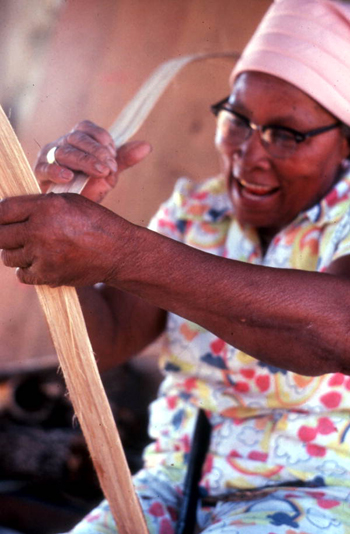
(233,130)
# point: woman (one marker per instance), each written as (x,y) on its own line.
(255,310)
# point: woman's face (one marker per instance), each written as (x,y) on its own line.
(269,192)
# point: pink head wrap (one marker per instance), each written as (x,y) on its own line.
(306,43)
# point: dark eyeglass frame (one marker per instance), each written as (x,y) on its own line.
(299,136)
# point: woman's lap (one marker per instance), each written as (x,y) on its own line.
(160,497)
(284,511)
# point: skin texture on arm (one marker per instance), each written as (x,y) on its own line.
(291,319)
(120,325)
(283,317)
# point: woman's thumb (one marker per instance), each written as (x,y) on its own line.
(132,153)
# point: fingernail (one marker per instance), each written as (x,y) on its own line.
(100,167)
(146,149)
(66,174)
(112,164)
(112,149)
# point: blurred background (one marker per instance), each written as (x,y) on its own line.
(63,61)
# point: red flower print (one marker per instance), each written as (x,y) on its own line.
(315,450)
(332,399)
(258,456)
(326,426)
(166,527)
(217,346)
(307,433)
(156,509)
(190,384)
(327,503)
(172,512)
(172,402)
(241,387)
(234,454)
(336,380)
(263,382)
(247,373)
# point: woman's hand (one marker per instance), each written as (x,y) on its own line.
(90,150)
(61,239)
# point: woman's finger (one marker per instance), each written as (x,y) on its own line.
(87,148)
(26,276)
(17,209)
(16,258)
(48,173)
(87,145)
(99,134)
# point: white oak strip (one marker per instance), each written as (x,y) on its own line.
(140,106)
(70,338)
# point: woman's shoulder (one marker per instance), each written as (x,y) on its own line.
(192,202)
(206,200)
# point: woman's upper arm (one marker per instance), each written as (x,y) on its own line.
(120,325)
(136,322)
(340,267)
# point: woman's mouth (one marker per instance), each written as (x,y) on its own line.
(256,204)
(253,190)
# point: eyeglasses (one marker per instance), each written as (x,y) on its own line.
(280,142)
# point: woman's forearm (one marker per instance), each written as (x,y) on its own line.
(292,319)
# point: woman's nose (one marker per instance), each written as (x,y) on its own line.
(253,152)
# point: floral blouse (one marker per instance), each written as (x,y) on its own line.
(269,426)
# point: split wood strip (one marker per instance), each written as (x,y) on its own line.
(64,315)
(70,338)
(137,110)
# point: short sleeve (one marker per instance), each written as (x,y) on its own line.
(342,239)
(169,219)
(336,243)
(189,203)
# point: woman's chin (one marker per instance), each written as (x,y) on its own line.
(256,206)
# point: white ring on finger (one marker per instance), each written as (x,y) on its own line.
(50,156)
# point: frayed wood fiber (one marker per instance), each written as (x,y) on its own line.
(64,316)
(66,323)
